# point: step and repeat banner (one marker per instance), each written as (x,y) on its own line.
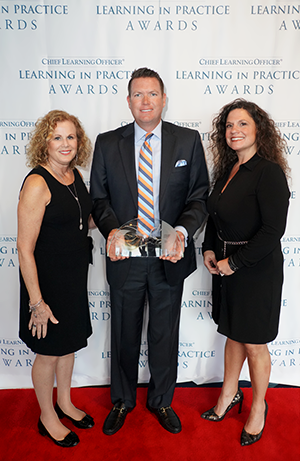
(78,56)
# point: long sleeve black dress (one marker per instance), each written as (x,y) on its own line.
(247,221)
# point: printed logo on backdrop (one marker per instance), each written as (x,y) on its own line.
(188,354)
(14,135)
(194,125)
(85,61)
(8,252)
(171,18)
(238,77)
(99,303)
(290,130)
(285,353)
(199,301)
(291,251)
(87,183)
(102,250)
(20,17)
(79,75)
(188,124)
(280,11)
(14,354)
(143,360)
(155,18)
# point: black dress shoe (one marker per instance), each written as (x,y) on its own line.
(249,439)
(85,423)
(212,416)
(167,418)
(70,440)
(115,418)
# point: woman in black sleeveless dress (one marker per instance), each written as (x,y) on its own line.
(248,209)
(54,254)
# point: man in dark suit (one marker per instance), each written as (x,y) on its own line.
(180,187)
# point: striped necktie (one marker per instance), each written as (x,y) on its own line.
(145,188)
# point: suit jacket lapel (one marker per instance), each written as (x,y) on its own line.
(167,159)
(127,152)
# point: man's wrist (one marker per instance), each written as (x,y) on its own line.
(184,232)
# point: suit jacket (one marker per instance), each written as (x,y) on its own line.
(182,195)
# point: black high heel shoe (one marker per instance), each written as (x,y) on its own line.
(85,423)
(70,440)
(248,439)
(212,416)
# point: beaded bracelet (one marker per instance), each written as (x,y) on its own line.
(32,307)
(231,264)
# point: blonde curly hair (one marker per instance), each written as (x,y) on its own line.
(37,149)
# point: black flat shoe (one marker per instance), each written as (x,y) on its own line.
(85,423)
(249,439)
(167,418)
(115,418)
(212,416)
(70,440)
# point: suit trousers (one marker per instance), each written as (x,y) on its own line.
(146,280)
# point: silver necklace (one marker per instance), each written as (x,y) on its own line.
(74,195)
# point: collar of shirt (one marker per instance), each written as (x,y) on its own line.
(252,162)
(139,134)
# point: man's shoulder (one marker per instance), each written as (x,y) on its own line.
(117,133)
(177,130)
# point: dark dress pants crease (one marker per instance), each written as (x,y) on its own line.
(146,279)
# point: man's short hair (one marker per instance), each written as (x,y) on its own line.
(144,72)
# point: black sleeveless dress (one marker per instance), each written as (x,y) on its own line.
(62,256)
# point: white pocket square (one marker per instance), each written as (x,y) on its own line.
(180,163)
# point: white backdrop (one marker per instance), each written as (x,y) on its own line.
(78,56)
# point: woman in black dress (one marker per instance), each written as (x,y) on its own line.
(248,209)
(54,250)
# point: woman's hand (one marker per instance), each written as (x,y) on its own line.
(39,320)
(223,267)
(210,262)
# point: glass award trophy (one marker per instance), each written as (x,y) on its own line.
(128,241)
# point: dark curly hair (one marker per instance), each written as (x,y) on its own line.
(270,144)
(144,72)
(37,149)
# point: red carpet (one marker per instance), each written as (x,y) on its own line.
(143,439)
